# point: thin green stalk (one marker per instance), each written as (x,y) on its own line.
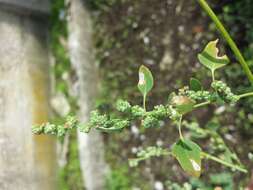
(137,160)
(213,76)
(202,104)
(179,128)
(144,102)
(144,98)
(228,38)
(235,167)
(107,129)
(208,102)
(246,95)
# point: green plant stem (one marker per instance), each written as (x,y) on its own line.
(202,104)
(246,95)
(179,128)
(164,153)
(213,76)
(106,129)
(144,103)
(233,166)
(208,102)
(228,38)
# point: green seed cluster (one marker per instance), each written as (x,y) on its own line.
(149,152)
(154,117)
(104,122)
(137,111)
(53,129)
(149,119)
(185,101)
(133,111)
(200,95)
(225,92)
(123,106)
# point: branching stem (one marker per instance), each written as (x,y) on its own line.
(233,166)
(246,95)
(202,104)
(228,38)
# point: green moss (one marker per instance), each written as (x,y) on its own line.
(118,179)
(58,34)
(70,176)
(122,177)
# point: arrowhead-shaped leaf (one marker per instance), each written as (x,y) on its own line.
(195,85)
(146,80)
(210,57)
(188,155)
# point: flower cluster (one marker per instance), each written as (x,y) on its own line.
(149,152)
(104,122)
(201,95)
(53,129)
(132,111)
(225,92)
(154,117)
(151,118)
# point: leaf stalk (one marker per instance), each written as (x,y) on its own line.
(179,128)
(246,95)
(232,166)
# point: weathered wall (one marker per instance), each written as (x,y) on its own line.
(27,162)
(27,6)
(91,148)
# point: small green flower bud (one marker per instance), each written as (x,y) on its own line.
(123,106)
(137,111)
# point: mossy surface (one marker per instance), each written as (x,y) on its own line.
(70,176)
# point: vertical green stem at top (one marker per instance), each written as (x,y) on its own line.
(228,38)
(144,102)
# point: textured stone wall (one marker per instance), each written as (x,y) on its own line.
(27,162)
(27,6)
(91,149)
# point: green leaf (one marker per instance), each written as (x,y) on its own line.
(183,104)
(210,57)
(146,80)
(188,155)
(195,85)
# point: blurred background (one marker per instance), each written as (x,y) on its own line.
(68,57)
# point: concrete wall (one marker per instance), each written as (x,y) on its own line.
(91,146)
(27,162)
(27,6)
